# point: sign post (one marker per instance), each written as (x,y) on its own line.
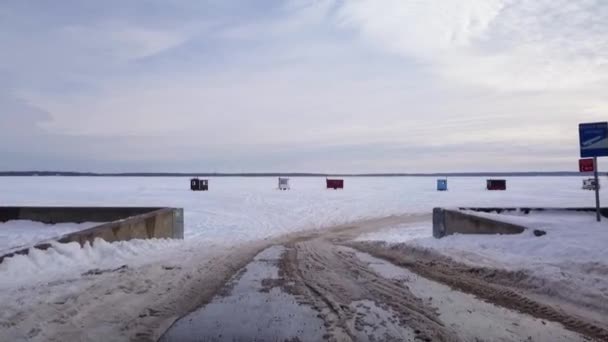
(594,143)
(597,191)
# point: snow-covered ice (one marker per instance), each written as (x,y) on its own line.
(252,208)
(240,210)
(24,233)
(237,210)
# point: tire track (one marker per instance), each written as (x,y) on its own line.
(355,302)
(494,286)
(331,278)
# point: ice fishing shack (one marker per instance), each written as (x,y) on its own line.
(199,184)
(442,185)
(496,184)
(283,183)
(334,183)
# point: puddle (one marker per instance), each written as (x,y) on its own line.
(251,310)
(470,317)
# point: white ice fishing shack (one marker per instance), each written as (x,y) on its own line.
(283,183)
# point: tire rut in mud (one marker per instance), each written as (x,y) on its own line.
(331,278)
(494,286)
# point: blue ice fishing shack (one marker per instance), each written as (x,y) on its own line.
(442,185)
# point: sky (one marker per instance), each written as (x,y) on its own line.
(300,85)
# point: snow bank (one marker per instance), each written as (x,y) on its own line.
(573,237)
(70,260)
(22,233)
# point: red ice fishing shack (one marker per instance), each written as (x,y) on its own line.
(334,183)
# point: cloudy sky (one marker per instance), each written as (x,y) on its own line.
(300,85)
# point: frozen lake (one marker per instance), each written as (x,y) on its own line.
(242,209)
(218,223)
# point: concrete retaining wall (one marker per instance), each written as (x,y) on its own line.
(53,215)
(123,223)
(527,210)
(447,222)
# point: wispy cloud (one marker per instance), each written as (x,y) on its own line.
(503,44)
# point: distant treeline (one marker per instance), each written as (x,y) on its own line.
(290,174)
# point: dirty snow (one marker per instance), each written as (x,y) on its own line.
(251,307)
(570,261)
(469,316)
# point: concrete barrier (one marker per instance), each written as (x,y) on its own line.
(527,210)
(121,223)
(448,222)
(53,215)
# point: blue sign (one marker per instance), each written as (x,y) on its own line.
(593,139)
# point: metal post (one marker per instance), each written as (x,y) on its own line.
(597,191)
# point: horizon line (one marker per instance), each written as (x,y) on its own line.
(293,174)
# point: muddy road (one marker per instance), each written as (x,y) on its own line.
(323,286)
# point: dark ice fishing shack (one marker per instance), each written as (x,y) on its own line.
(199,184)
(496,184)
(334,183)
